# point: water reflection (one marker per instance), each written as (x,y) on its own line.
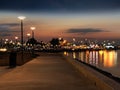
(110,58)
(74,55)
(105,60)
(66,53)
(101,58)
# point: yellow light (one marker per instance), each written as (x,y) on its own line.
(32,28)
(73,39)
(60,38)
(21,17)
(16,37)
(28,34)
(101,52)
(109,59)
(74,55)
(65,53)
(6,39)
(64,41)
(3,49)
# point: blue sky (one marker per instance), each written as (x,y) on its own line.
(57,5)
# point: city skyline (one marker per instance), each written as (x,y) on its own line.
(61,18)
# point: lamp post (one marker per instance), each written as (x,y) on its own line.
(21,21)
(32,28)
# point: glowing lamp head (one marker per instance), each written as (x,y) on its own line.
(21,17)
(32,28)
(28,34)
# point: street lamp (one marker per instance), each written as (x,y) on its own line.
(21,21)
(32,28)
(28,35)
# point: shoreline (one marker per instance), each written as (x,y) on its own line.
(106,73)
(99,79)
(72,50)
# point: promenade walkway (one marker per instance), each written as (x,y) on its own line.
(46,72)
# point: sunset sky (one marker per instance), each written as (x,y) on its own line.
(98,19)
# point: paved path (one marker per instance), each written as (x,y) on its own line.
(46,72)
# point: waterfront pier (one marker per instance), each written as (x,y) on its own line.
(54,71)
(49,71)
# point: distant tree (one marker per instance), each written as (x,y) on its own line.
(32,41)
(55,42)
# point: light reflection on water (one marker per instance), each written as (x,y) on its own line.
(107,60)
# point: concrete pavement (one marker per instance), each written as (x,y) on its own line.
(49,71)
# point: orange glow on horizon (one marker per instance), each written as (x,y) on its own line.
(57,25)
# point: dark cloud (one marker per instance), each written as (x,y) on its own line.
(7,27)
(69,5)
(5,34)
(85,30)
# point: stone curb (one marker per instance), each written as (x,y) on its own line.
(100,80)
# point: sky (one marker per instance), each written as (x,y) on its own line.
(99,19)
